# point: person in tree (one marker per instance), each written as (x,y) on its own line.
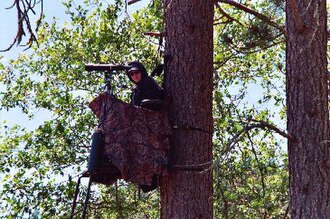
(147,93)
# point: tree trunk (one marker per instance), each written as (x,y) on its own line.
(307,108)
(187,191)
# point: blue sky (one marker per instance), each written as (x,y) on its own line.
(8,23)
(8,28)
(52,8)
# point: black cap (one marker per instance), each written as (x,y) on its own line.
(136,65)
(134,69)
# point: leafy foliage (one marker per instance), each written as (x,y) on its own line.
(42,163)
(250,175)
(39,167)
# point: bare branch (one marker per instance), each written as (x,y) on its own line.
(253,12)
(260,166)
(249,126)
(248,50)
(230,18)
(264,125)
(220,64)
(132,1)
(23,8)
(286,212)
(13,5)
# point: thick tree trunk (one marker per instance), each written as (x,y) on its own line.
(307,109)
(187,191)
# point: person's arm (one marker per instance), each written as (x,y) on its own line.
(152,90)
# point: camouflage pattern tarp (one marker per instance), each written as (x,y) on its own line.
(136,139)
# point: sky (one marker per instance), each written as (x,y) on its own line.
(8,23)
(8,29)
(52,8)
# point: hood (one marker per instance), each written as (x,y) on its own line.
(137,65)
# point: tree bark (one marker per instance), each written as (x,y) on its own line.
(186,192)
(307,108)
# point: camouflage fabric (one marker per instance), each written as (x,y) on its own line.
(136,140)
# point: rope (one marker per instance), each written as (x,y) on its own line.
(202,167)
(187,127)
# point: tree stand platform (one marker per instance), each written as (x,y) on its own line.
(131,143)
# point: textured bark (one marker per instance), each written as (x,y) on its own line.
(307,109)
(186,192)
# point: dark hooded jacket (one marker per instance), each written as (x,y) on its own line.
(147,88)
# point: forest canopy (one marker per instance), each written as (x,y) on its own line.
(39,167)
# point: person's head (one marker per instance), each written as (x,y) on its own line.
(135,75)
(136,72)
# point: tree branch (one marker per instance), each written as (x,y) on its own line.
(296,17)
(255,13)
(229,18)
(23,8)
(260,166)
(263,125)
(248,50)
(257,124)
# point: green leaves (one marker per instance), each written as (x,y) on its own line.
(2,67)
(250,176)
(40,166)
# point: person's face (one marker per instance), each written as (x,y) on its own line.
(135,75)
